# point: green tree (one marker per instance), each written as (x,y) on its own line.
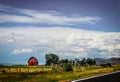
(94,62)
(51,59)
(67,67)
(76,61)
(64,61)
(83,62)
(89,61)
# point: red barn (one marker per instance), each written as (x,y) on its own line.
(32,61)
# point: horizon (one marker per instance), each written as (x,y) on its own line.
(39,64)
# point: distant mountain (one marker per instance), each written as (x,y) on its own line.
(9,64)
(5,64)
(104,61)
(114,60)
(101,61)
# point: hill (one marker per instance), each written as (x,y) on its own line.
(110,60)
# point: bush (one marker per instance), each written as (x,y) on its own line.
(106,65)
(3,71)
(67,67)
(54,69)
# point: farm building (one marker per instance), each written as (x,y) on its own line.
(32,61)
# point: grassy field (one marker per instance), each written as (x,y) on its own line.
(48,74)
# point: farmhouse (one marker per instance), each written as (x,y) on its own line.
(32,61)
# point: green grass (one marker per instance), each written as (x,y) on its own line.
(45,74)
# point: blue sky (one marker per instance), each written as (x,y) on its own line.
(78,28)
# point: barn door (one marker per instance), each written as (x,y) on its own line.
(32,63)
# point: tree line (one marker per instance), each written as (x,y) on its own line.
(53,59)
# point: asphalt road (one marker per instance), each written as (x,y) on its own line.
(111,77)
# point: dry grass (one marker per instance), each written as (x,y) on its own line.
(25,69)
(45,74)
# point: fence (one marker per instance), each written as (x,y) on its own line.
(22,69)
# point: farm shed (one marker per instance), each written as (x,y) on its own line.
(32,61)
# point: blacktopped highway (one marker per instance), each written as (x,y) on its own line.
(109,77)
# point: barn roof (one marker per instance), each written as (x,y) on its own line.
(33,58)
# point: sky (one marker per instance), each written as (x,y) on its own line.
(69,28)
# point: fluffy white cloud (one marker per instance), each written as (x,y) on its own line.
(15,18)
(66,42)
(22,51)
(32,16)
